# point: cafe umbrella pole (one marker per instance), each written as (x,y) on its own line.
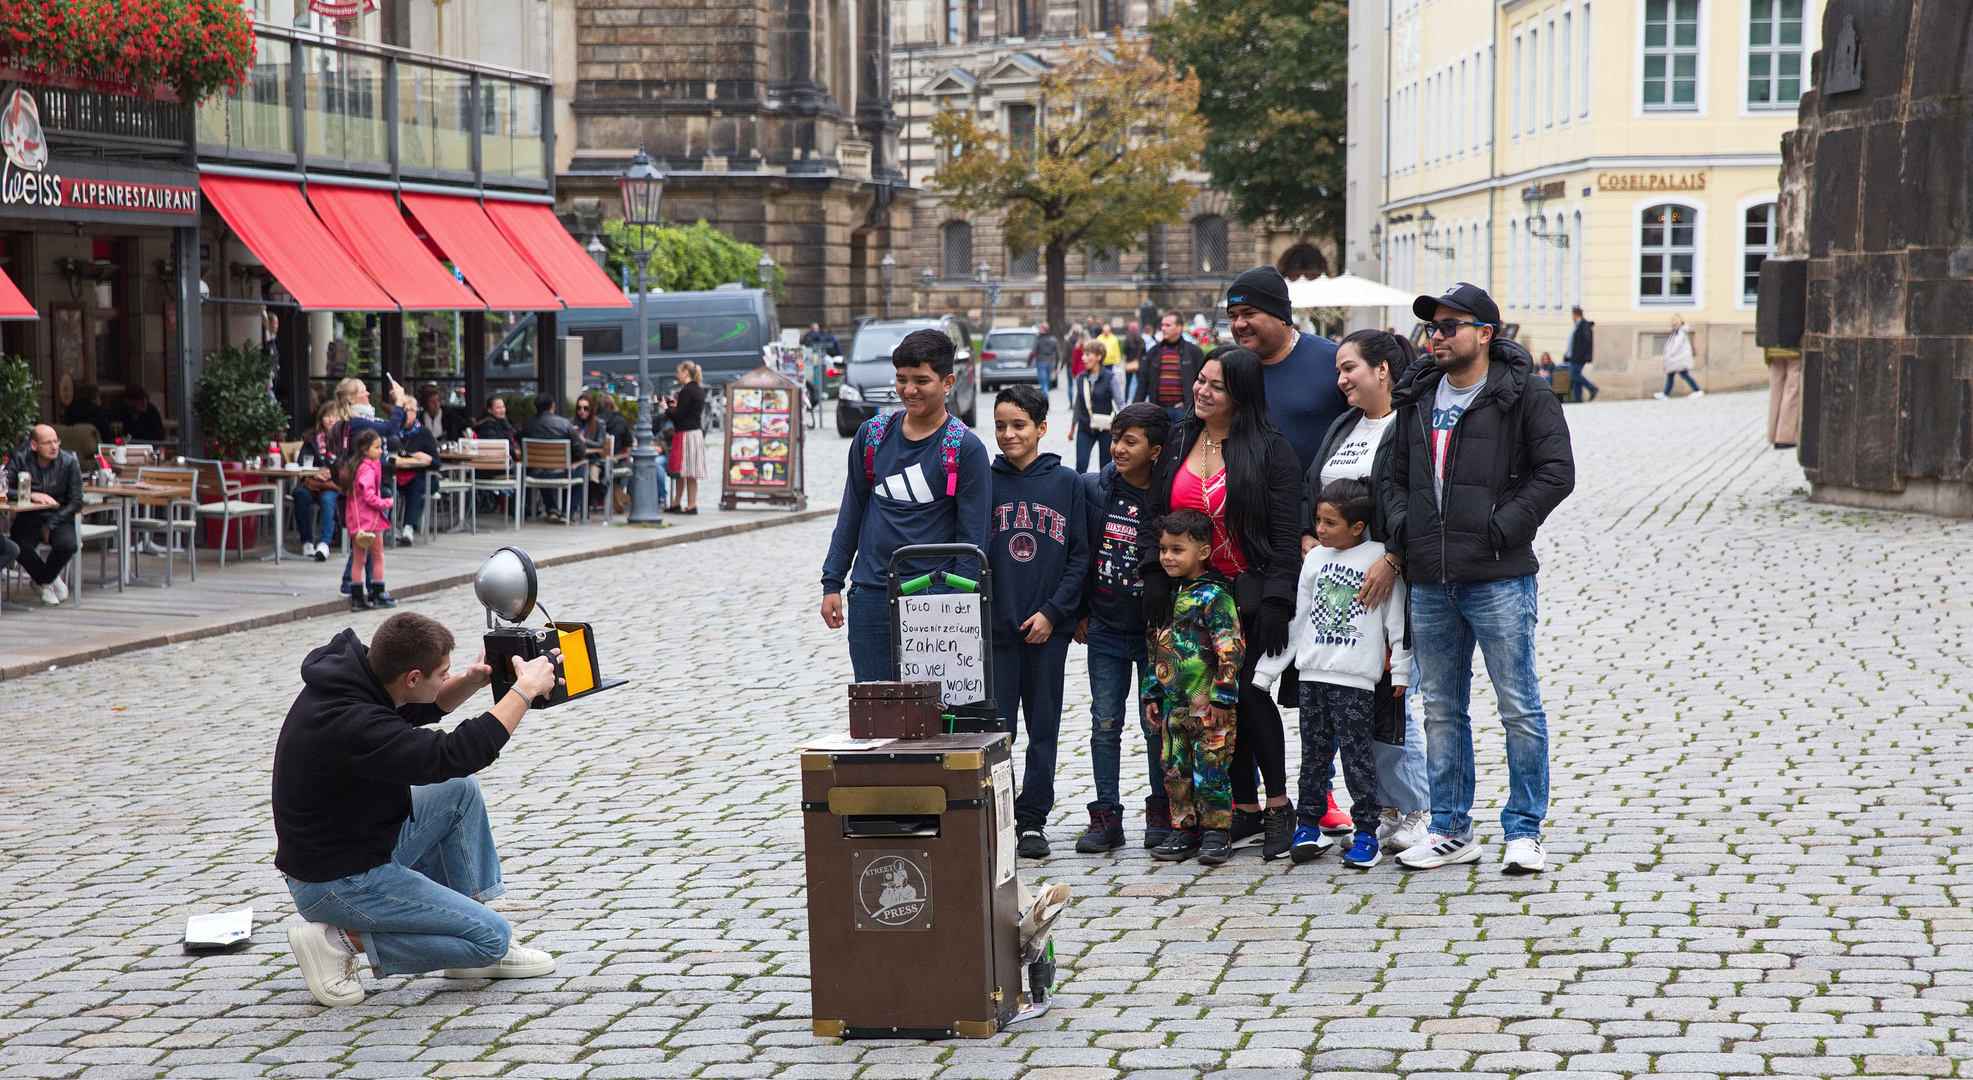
(967,716)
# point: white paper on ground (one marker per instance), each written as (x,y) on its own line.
(218,929)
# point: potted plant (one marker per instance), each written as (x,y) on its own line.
(239,416)
(20,403)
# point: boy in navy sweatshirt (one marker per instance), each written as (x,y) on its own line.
(1039,556)
(1114,502)
(915,477)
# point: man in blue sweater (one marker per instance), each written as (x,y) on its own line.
(1302,396)
(1039,556)
(915,477)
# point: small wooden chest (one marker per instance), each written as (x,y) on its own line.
(895,710)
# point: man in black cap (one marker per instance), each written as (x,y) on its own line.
(1479,458)
(1302,395)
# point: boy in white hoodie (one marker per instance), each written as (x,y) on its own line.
(1341,651)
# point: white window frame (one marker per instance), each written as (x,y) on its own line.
(1548,76)
(1482,98)
(1564,83)
(1701,222)
(1514,93)
(1514,292)
(1533,90)
(1700,50)
(1576,256)
(1810,23)
(1741,250)
(1582,61)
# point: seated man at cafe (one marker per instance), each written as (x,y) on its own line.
(55,484)
(416,442)
(141,422)
(546,423)
(380,828)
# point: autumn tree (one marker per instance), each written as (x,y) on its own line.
(1274,91)
(1114,128)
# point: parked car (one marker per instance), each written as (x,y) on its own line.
(1007,356)
(721,330)
(870,383)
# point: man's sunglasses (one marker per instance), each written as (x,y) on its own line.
(1448,328)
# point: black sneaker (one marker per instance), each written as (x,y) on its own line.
(1247,827)
(1278,823)
(1215,847)
(1157,823)
(1032,842)
(1181,845)
(1106,830)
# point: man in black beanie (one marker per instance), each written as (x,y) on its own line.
(1302,395)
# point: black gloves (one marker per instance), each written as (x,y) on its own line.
(1271,626)
(1157,597)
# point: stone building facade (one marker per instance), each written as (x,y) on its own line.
(985,55)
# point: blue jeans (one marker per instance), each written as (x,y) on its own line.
(1027,682)
(424,910)
(308,504)
(867,614)
(1402,778)
(1085,440)
(1113,697)
(1045,375)
(1672,380)
(414,491)
(1577,384)
(1446,622)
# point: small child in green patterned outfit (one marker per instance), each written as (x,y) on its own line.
(1190,691)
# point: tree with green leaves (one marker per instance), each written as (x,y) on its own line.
(684,258)
(20,402)
(1274,91)
(1114,128)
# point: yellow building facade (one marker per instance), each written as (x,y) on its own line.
(1620,155)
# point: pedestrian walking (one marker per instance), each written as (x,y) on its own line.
(1228,461)
(1047,356)
(1479,458)
(1039,556)
(1579,354)
(1169,369)
(1116,526)
(1198,657)
(1092,405)
(1368,365)
(1346,654)
(1678,360)
(918,476)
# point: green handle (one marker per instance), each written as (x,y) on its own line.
(915,585)
(962,584)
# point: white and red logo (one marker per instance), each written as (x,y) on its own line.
(20,132)
(1022,547)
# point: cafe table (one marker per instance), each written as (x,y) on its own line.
(285,477)
(146,493)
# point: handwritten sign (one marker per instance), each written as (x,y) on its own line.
(941,642)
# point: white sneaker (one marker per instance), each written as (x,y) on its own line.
(1657,397)
(1388,823)
(1524,856)
(308,549)
(1412,830)
(333,976)
(410,534)
(61,588)
(1439,851)
(520,962)
(49,596)
(1698,393)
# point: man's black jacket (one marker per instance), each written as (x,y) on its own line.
(1508,465)
(346,761)
(60,480)
(1582,343)
(1189,361)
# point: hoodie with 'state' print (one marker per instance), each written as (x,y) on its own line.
(1039,549)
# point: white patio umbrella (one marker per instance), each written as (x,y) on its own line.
(1346,291)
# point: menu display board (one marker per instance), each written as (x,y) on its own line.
(763,441)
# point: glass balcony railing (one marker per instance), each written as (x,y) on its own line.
(372,109)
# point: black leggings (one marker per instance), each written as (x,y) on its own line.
(1257,738)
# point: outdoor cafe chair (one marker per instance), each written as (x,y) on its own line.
(492,470)
(170,516)
(554,456)
(86,531)
(218,497)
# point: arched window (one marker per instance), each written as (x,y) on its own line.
(1209,244)
(1756,244)
(1668,253)
(1576,253)
(1560,227)
(1026,264)
(1303,260)
(958,249)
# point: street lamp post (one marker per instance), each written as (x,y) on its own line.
(925,280)
(764,270)
(599,253)
(642,187)
(887,272)
(984,275)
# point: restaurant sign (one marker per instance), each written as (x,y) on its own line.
(37,183)
(1691,181)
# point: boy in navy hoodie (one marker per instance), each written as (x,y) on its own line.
(1039,556)
(915,477)
(1114,516)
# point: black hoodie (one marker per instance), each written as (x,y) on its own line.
(1508,465)
(1039,546)
(346,761)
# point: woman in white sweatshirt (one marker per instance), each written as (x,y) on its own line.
(1678,360)
(1341,651)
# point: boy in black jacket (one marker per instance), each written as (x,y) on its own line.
(1039,555)
(1114,502)
(380,829)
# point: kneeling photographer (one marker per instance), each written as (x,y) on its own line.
(382,834)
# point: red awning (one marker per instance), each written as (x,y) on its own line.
(12,304)
(491,265)
(555,255)
(276,223)
(370,225)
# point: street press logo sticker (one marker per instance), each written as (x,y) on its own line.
(892,893)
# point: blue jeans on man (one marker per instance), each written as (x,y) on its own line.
(414,491)
(1117,663)
(1446,622)
(867,615)
(1577,382)
(1028,678)
(315,515)
(1044,373)
(425,910)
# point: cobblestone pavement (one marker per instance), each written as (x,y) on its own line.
(1760,717)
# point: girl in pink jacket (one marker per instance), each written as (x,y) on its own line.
(367,512)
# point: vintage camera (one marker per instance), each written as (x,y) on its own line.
(506,585)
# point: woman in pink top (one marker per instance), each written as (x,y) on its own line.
(1229,460)
(368,511)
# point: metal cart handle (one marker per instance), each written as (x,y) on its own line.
(976,716)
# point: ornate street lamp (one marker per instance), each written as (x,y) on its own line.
(641,187)
(887,273)
(598,252)
(764,269)
(1428,234)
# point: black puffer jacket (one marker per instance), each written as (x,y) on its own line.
(1270,541)
(1509,464)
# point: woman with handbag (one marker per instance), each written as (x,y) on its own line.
(316,494)
(1228,460)
(1091,405)
(686,411)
